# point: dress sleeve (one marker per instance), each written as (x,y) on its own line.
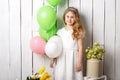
(59,32)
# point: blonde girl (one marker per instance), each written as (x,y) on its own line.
(68,65)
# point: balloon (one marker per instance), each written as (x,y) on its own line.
(47,34)
(37,45)
(53,2)
(46,17)
(53,47)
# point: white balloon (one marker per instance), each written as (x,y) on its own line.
(53,47)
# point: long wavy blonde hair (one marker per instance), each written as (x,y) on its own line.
(78,30)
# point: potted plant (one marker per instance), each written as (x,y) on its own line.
(94,60)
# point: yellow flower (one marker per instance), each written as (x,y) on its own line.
(42,78)
(42,69)
(46,75)
(48,79)
(49,76)
(34,77)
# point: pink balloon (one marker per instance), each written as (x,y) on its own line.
(37,45)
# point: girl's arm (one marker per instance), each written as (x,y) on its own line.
(80,55)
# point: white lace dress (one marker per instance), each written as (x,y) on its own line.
(65,66)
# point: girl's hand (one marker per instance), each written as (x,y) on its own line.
(78,67)
(52,61)
(51,65)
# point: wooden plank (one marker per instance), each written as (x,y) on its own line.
(86,19)
(15,44)
(4,40)
(60,10)
(47,4)
(46,58)
(109,39)
(117,55)
(38,60)
(36,5)
(26,34)
(98,21)
(75,4)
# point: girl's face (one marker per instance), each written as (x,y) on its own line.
(70,18)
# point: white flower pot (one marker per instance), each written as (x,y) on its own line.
(94,68)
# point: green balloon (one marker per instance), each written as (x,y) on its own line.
(46,17)
(53,2)
(47,34)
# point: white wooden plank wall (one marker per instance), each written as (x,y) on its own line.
(26,34)
(98,21)
(18,24)
(26,28)
(117,42)
(86,19)
(4,40)
(60,9)
(109,67)
(38,60)
(14,41)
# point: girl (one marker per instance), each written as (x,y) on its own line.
(69,64)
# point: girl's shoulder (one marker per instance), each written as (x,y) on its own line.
(60,30)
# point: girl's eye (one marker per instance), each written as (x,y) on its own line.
(72,17)
(67,16)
